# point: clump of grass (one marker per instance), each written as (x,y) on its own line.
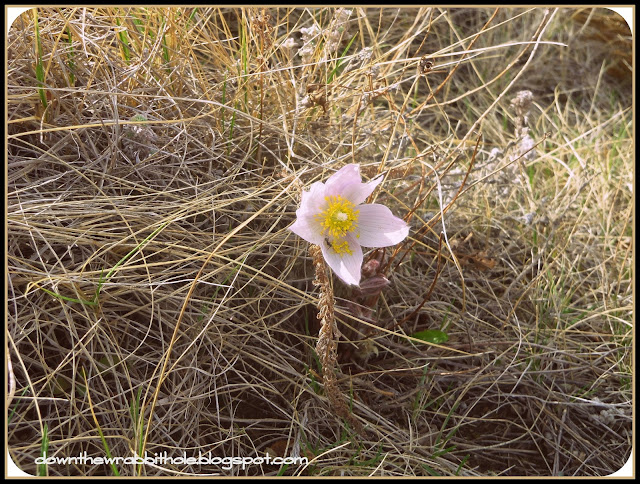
(40,75)
(159,185)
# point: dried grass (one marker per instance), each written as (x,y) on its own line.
(147,214)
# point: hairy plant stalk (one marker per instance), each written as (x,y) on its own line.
(327,345)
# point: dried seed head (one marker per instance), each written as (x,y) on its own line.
(522,104)
(425,65)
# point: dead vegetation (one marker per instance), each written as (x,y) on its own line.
(157,302)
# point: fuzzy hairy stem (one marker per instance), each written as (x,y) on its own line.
(327,345)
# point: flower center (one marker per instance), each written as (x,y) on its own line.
(339,218)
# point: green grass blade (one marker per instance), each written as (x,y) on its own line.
(126,258)
(124,42)
(44,451)
(193,14)
(69,299)
(13,410)
(340,60)
(462,463)
(138,424)
(107,450)
(71,62)
(39,64)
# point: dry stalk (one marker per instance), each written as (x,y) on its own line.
(327,345)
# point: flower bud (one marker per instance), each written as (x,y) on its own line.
(373,285)
(370,268)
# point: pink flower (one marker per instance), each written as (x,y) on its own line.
(332,216)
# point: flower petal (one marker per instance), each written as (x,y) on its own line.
(378,227)
(346,266)
(347,175)
(307,228)
(357,193)
(313,199)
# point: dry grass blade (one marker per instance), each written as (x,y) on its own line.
(155,158)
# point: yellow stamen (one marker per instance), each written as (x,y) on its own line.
(339,218)
(340,248)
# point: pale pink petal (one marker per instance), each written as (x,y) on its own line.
(313,199)
(378,227)
(357,193)
(346,266)
(345,176)
(308,228)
